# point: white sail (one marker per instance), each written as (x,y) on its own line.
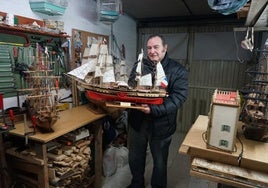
(86,52)
(98,72)
(102,61)
(138,69)
(81,71)
(109,61)
(160,76)
(146,80)
(123,71)
(108,75)
(94,50)
(103,49)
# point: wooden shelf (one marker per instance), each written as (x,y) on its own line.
(31,31)
(25,21)
(28,158)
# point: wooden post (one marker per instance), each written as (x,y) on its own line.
(74,93)
(98,154)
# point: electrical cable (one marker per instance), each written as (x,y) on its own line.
(204,135)
(237,49)
(240,156)
(239,159)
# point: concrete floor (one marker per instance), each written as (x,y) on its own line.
(178,171)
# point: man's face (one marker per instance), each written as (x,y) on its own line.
(155,49)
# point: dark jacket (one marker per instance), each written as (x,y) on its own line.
(163,117)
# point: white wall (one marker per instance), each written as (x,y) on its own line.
(82,15)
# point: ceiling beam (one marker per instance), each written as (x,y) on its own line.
(190,20)
(256,9)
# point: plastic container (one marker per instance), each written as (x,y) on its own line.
(49,7)
(109,10)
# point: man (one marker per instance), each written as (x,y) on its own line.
(155,124)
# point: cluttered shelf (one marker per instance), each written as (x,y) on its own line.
(30,26)
(5,27)
(21,38)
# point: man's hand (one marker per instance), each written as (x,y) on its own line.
(146,109)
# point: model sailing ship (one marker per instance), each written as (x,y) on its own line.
(255,109)
(103,83)
(41,91)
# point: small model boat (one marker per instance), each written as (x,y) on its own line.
(103,83)
(42,91)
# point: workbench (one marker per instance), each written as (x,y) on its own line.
(69,120)
(222,166)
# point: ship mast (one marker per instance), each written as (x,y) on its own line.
(139,68)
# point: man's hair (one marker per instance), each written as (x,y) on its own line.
(158,35)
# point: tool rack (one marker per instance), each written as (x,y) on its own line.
(16,48)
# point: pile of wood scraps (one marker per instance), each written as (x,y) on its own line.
(69,160)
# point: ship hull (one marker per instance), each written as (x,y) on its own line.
(123,97)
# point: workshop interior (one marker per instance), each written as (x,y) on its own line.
(65,98)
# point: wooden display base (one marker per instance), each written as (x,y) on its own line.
(118,104)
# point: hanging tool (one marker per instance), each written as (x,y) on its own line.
(12,117)
(26,133)
(25,129)
(34,123)
(3,126)
(15,56)
(20,67)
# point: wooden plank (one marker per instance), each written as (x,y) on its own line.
(26,180)
(230,172)
(184,149)
(43,178)
(98,155)
(27,158)
(255,11)
(23,169)
(219,179)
